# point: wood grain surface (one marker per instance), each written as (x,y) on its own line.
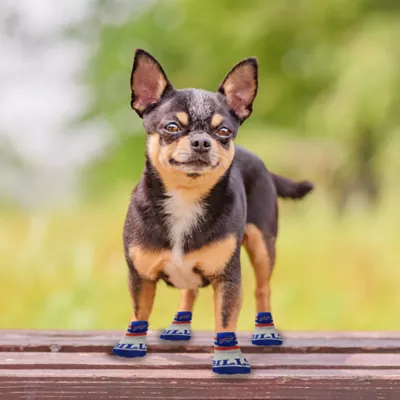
(36,365)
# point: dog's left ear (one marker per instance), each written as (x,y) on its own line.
(240,87)
(148,82)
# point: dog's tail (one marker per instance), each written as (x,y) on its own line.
(290,189)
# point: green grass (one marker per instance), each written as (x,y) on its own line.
(65,269)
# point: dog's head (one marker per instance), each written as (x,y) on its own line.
(191,131)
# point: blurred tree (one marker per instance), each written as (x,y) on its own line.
(362,104)
(326,67)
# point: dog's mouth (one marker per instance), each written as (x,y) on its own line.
(193,164)
(198,162)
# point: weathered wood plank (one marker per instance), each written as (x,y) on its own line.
(47,360)
(103,341)
(199,384)
(289,334)
(75,365)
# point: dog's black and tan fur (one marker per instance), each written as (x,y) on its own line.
(200,197)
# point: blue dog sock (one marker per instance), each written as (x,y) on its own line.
(265,333)
(228,359)
(180,327)
(133,344)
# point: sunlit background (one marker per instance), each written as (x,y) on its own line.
(71,150)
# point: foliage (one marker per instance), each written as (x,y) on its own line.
(326,68)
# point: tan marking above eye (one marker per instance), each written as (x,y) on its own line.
(216,120)
(183,118)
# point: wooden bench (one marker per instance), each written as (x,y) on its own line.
(318,365)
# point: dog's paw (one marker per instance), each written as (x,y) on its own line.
(183,332)
(130,350)
(228,359)
(180,327)
(133,344)
(230,363)
(266,337)
(265,333)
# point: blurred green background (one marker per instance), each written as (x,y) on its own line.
(328,109)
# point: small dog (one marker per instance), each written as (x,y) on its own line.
(199,200)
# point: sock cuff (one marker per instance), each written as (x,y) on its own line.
(225,341)
(264,319)
(137,328)
(182,317)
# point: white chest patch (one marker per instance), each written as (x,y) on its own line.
(183,217)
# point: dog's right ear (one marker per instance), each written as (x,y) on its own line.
(148,82)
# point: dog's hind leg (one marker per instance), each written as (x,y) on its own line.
(261,254)
(261,251)
(180,328)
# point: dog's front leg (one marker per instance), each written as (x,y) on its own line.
(228,359)
(180,329)
(142,292)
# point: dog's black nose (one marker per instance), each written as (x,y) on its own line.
(200,144)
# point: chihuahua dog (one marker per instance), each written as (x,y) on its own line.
(199,200)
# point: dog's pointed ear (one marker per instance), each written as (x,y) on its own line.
(148,82)
(240,87)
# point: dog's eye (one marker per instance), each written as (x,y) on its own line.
(171,128)
(224,133)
